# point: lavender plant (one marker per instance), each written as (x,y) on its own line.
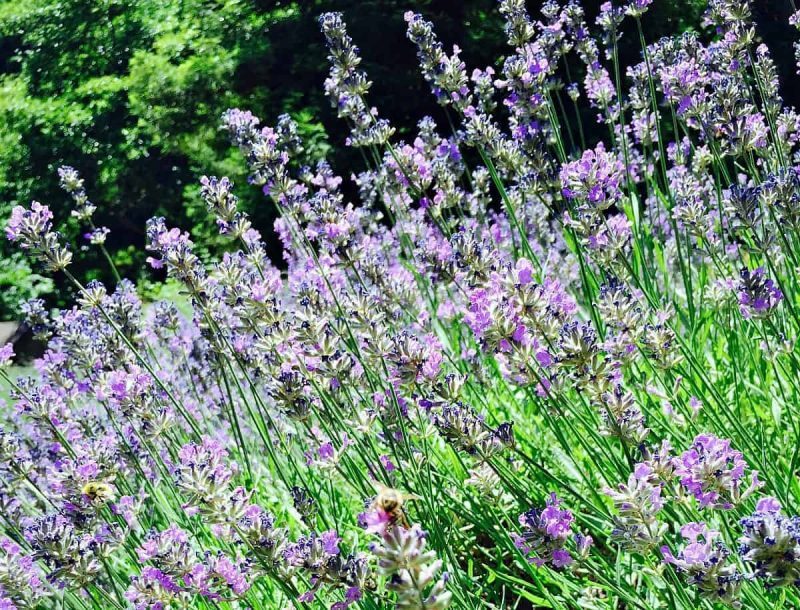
(522,369)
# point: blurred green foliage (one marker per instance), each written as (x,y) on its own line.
(18,282)
(130,92)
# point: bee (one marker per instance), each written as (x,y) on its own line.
(391,501)
(99,492)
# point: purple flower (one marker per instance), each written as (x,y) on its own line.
(638,503)
(165,581)
(387,463)
(330,542)
(27,224)
(479,318)
(71,182)
(6,354)
(704,562)
(326,451)
(32,230)
(771,541)
(347,85)
(768,504)
(637,8)
(176,252)
(375,521)
(446,74)
(595,178)
(714,473)
(203,475)
(231,573)
(758,295)
(20,578)
(152,590)
(545,531)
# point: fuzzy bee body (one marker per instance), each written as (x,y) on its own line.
(98,492)
(391,501)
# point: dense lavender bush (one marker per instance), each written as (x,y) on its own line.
(523,370)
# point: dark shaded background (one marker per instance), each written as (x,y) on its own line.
(130,93)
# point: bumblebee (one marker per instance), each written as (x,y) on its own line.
(99,492)
(391,501)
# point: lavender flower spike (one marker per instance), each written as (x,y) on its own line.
(771,541)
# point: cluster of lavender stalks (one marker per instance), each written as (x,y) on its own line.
(523,371)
